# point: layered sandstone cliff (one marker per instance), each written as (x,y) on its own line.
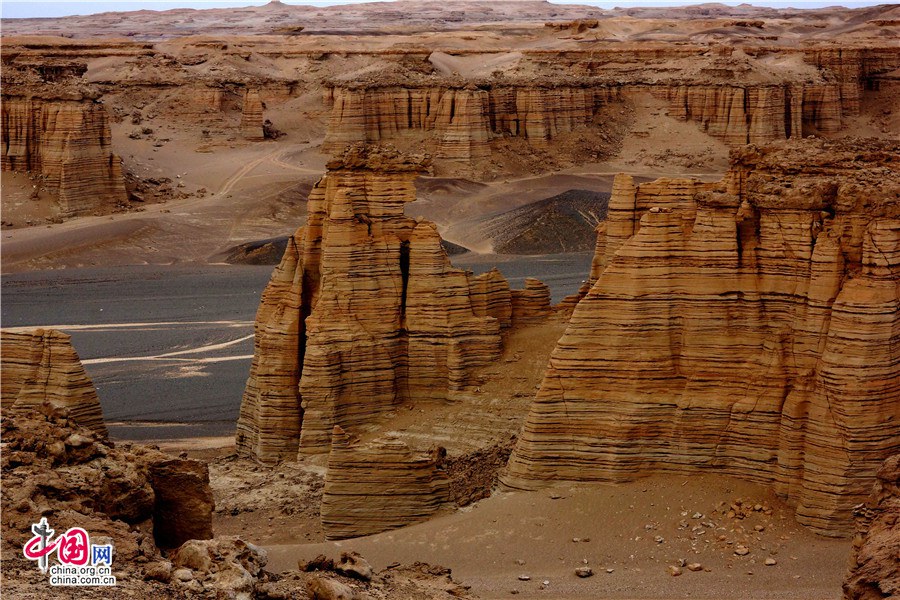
(42,366)
(751,326)
(59,131)
(252,116)
(364,313)
(737,96)
(379,486)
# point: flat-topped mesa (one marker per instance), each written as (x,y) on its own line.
(42,366)
(751,328)
(736,96)
(56,128)
(379,486)
(364,313)
(462,121)
(251,116)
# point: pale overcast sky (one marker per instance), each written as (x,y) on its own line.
(60,8)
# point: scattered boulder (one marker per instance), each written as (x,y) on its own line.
(355,566)
(323,588)
(228,565)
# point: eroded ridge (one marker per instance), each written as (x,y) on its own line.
(364,313)
(750,325)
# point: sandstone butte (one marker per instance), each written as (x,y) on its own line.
(379,486)
(52,126)
(41,366)
(727,93)
(750,326)
(251,114)
(365,313)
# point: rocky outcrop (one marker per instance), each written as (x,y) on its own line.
(874,567)
(462,121)
(379,486)
(252,116)
(55,468)
(65,140)
(42,366)
(228,567)
(752,328)
(531,305)
(184,502)
(363,314)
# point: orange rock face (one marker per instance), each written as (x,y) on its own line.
(252,116)
(378,486)
(463,118)
(42,366)
(67,141)
(749,326)
(364,313)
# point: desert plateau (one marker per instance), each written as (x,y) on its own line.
(420,300)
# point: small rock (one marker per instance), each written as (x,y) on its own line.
(524,578)
(682,562)
(771,562)
(545,582)
(556,496)
(742,550)
(182,575)
(673,570)
(697,515)
(519,561)
(160,571)
(659,539)
(610,570)
(323,588)
(695,567)
(354,565)
(584,572)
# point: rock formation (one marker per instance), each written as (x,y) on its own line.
(60,132)
(874,567)
(751,326)
(531,305)
(364,313)
(184,502)
(252,116)
(733,95)
(42,366)
(378,486)
(54,467)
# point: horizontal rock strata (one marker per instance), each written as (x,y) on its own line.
(252,116)
(378,486)
(364,313)
(52,126)
(751,327)
(67,142)
(42,366)
(531,305)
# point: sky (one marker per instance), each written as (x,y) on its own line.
(61,8)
